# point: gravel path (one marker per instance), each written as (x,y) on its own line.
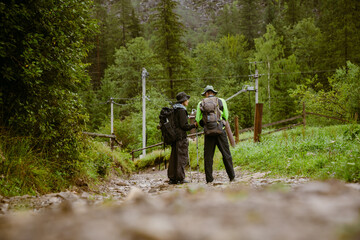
(145,206)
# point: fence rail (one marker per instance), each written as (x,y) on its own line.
(99,135)
(321,115)
(283,128)
(112,137)
(282,121)
(159,144)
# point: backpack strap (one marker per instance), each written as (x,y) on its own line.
(221,105)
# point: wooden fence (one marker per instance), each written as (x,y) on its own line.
(110,136)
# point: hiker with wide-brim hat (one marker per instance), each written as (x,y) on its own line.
(180,148)
(215,113)
(182,97)
(209,88)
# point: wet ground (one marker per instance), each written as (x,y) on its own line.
(145,206)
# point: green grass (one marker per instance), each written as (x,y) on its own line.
(318,153)
(155,158)
(98,161)
(22,171)
(26,171)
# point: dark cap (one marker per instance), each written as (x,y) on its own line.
(182,97)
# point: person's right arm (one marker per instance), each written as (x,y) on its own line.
(183,121)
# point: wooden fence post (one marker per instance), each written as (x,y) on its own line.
(258,121)
(236,129)
(229,134)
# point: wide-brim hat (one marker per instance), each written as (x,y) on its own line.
(182,97)
(209,88)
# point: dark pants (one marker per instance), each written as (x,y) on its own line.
(209,149)
(178,159)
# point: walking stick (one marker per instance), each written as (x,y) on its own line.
(190,166)
(197,155)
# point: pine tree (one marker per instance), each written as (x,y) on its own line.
(128,24)
(341,26)
(121,26)
(250,20)
(306,41)
(118,25)
(97,56)
(228,20)
(168,44)
(278,76)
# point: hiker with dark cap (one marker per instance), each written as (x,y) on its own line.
(179,149)
(212,112)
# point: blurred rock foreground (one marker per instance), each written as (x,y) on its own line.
(146,207)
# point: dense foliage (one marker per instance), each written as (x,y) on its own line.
(42,52)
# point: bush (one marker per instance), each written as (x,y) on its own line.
(98,160)
(26,171)
(153,159)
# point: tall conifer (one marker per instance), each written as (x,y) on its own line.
(168,31)
(340,24)
(250,20)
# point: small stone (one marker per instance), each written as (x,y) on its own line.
(152,190)
(217,183)
(121,183)
(136,194)
(54,200)
(4,208)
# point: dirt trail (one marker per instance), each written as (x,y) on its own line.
(146,207)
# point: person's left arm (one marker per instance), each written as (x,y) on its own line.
(225,111)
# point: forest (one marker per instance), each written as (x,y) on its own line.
(62,62)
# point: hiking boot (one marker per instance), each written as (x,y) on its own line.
(183,181)
(172,181)
(232,179)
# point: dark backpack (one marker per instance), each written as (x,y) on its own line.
(213,125)
(167,125)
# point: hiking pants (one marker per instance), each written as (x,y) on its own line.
(178,159)
(209,149)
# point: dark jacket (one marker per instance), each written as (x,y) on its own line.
(181,121)
(179,150)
